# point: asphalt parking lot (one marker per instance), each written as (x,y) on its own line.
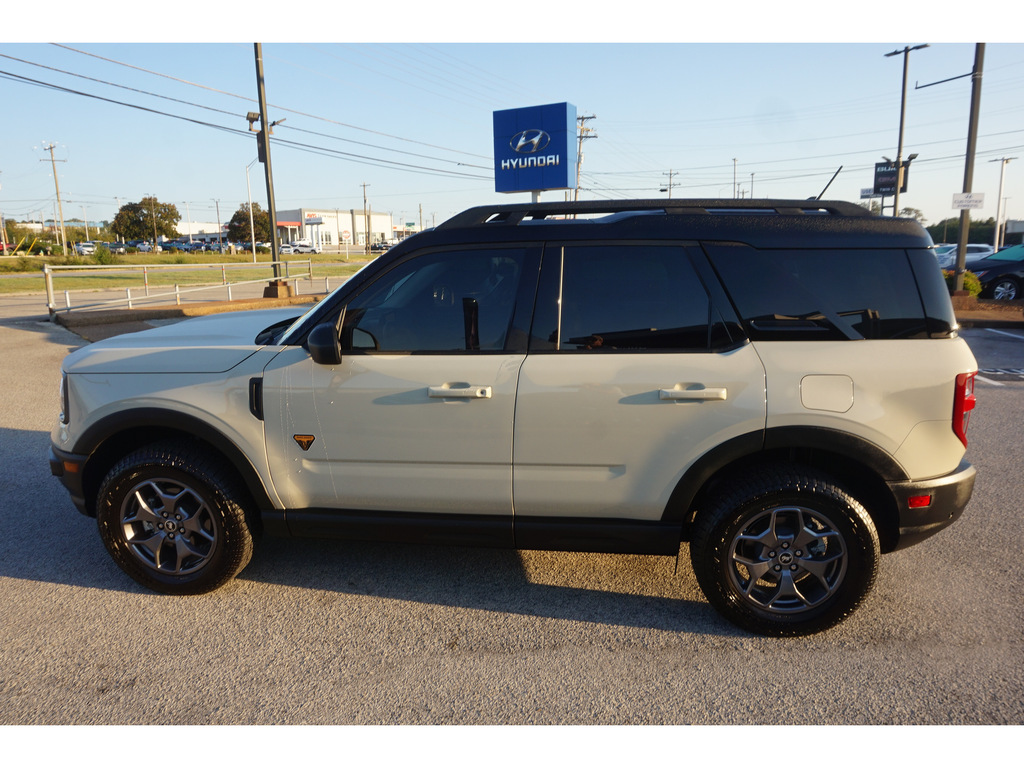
(317,632)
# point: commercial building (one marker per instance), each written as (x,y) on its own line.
(327,228)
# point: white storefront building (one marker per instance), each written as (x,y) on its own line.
(329,228)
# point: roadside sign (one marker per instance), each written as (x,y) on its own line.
(867,193)
(968,200)
(887,179)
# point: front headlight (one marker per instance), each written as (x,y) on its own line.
(65,405)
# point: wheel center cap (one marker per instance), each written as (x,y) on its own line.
(785,558)
(170,526)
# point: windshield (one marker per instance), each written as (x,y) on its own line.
(286,336)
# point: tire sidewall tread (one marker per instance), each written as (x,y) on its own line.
(181,461)
(780,486)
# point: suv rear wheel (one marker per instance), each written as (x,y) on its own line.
(785,552)
(171,519)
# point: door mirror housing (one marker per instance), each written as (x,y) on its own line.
(324,344)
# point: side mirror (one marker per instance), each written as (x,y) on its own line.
(324,344)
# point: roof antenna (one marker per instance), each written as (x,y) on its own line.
(828,185)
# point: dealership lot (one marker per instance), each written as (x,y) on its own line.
(344,632)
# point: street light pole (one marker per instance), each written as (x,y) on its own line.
(252,224)
(997,239)
(903,113)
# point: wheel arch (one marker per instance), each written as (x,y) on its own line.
(863,468)
(114,436)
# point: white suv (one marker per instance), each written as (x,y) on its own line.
(778,383)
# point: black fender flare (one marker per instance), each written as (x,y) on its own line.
(778,440)
(107,431)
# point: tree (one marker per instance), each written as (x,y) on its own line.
(948,231)
(139,221)
(913,213)
(238,227)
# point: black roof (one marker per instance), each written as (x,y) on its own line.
(760,223)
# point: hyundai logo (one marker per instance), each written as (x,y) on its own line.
(528,142)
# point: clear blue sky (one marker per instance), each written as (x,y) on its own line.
(412,119)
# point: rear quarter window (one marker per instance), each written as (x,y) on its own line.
(819,294)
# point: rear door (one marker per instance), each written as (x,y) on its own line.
(632,376)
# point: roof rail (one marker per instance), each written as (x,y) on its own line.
(513,214)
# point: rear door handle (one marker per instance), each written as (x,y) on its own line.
(704,393)
(467,392)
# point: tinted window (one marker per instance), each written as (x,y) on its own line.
(620,298)
(439,302)
(818,294)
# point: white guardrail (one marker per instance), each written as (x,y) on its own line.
(143,294)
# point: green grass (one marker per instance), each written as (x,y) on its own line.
(32,281)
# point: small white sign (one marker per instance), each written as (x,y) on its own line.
(968,200)
(866,193)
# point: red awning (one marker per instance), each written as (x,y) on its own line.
(287,223)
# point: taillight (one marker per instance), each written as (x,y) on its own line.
(963,404)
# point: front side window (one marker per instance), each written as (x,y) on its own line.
(448,301)
(620,298)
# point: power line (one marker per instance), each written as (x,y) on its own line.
(249,100)
(379,162)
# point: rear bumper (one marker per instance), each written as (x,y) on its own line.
(949,496)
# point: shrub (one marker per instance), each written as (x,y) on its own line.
(971,282)
(104,256)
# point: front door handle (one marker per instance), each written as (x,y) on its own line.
(466,392)
(704,393)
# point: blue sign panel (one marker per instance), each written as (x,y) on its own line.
(535,148)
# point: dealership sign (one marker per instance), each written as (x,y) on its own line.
(535,148)
(887,179)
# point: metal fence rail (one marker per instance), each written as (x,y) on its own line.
(147,296)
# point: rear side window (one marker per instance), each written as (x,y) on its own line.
(601,298)
(822,294)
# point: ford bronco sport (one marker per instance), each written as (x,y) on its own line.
(778,383)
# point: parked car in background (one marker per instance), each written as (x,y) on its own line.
(286,248)
(1001,274)
(946,253)
(85,249)
(149,248)
(115,247)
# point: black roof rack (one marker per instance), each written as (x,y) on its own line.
(516,213)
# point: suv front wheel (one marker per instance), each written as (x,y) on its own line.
(170,517)
(786,551)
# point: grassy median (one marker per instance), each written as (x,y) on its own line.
(24,274)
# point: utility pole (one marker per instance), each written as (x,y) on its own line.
(56,184)
(263,139)
(366,222)
(584,133)
(668,189)
(972,145)
(997,240)
(735,192)
(153,207)
(188,213)
(903,113)
(220,242)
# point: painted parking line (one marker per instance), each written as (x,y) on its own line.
(1006,333)
(991,375)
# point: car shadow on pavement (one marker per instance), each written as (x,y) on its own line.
(642,591)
